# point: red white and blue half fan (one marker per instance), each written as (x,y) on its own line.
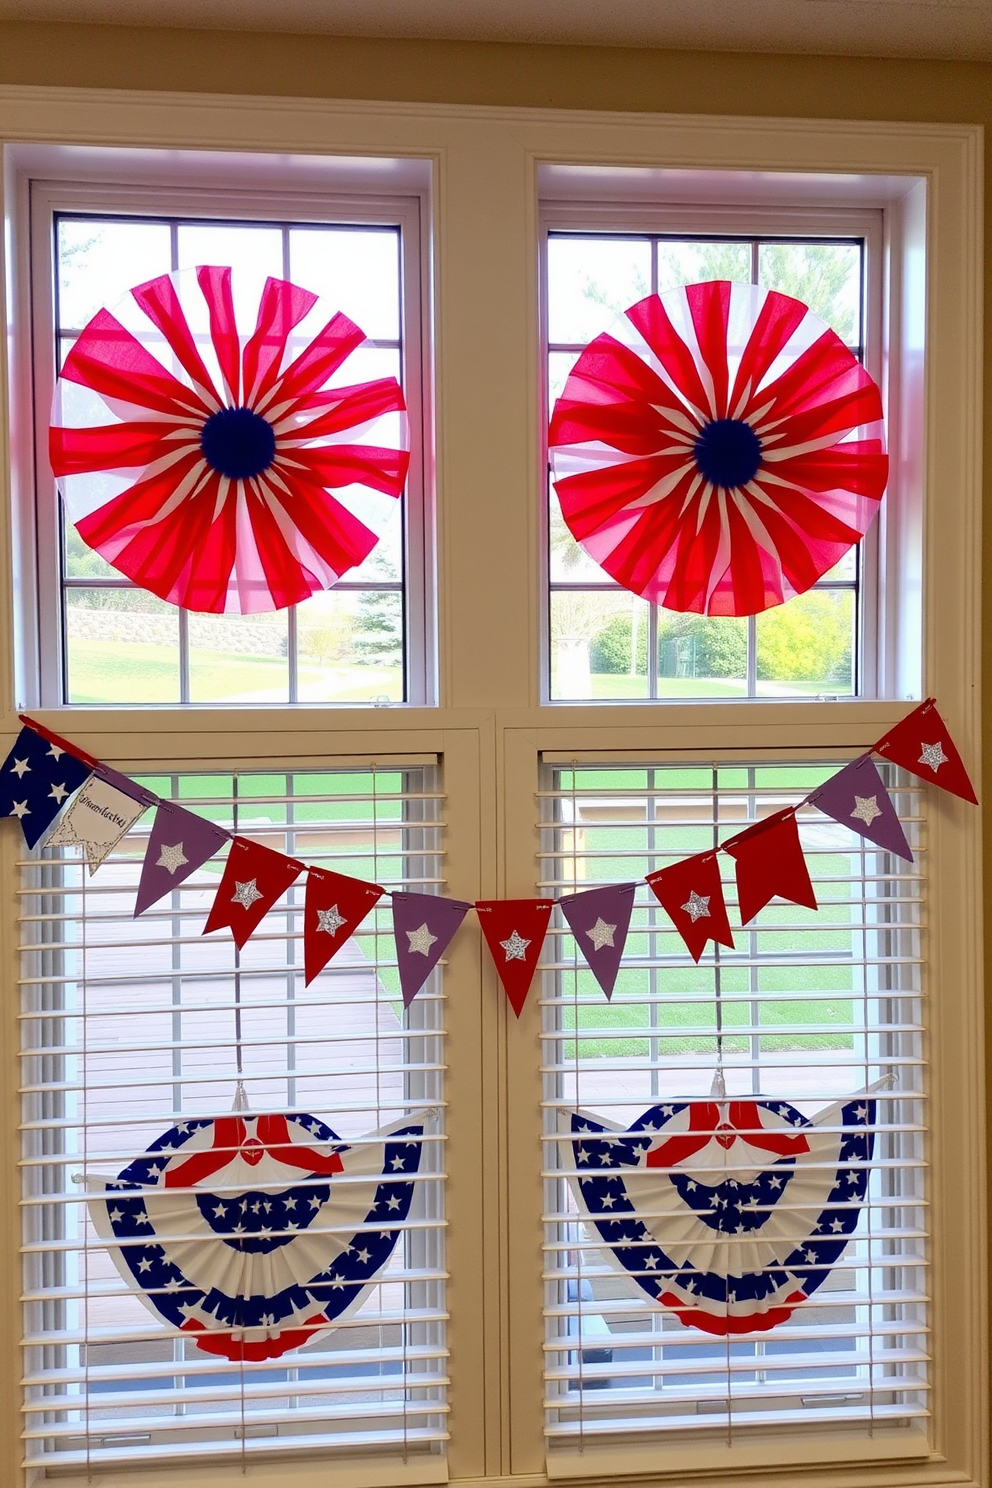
(241,474)
(730,1213)
(719,450)
(252,1234)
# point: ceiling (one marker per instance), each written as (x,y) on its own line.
(955,29)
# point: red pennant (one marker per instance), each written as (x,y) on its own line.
(692,896)
(515,931)
(254,877)
(334,907)
(922,745)
(770,861)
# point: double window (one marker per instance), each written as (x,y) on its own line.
(479,711)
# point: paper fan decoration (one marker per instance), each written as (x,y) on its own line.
(719,450)
(253,1233)
(235,475)
(731,1213)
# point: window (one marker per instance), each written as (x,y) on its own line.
(103,640)
(138,1028)
(488,1294)
(815,1009)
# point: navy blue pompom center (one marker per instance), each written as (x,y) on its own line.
(728,452)
(238,443)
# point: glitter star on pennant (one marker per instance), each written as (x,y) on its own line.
(856,797)
(424,926)
(691,894)
(36,780)
(334,907)
(599,920)
(514,930)
(254,878)
(922,744)
(179,843)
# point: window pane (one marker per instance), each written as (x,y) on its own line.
(825,276)
(593,280)
(98,261)
(238,658)
(122,646)
(599,645)
(807,645)
(351,647)
(681,262)
(356,270)
(701,656)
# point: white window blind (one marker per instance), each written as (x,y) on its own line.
(810,1008)
(130,1026)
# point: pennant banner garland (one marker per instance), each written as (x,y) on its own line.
(37,778)
(731,1213)
(252,1234)
(46,780)
(423,928)
(515,931)
(599,919)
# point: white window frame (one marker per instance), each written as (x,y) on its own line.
(491,729)
(187,185)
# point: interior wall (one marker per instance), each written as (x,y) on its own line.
(533,76)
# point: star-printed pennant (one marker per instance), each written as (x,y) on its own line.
(691,894)
(922,745)
(856,796)
(254,878)
(102,814)
(37,779)
(423,928)
(599,920)
(770,862)
(515,931)
(334,907)
(178,844)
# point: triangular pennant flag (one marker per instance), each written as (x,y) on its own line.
(922,745)
(770,862)
(856,796)
(692,896)
(254,878)
(178,844)
(599,919)
(103,813)
(423,928)
(334,907)
(515,931)
(36,780)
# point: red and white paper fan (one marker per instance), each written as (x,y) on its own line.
(223,466)
(719,450)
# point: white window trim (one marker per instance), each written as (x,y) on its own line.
(490,727)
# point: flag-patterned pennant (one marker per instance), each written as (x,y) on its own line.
(599,919)
(178,844)
(423,928)
(37,779)
(770,862)
(691,894)
(515,931)
(856,796)
(102,814)
(254,878)
(922,745)
(334,907)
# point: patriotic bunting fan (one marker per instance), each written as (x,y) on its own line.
(238,473)
(719,450)
(731,1213)
(252,1233)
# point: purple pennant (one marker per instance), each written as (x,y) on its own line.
(599,919)
(857,797)
(423,925)
(179,843)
